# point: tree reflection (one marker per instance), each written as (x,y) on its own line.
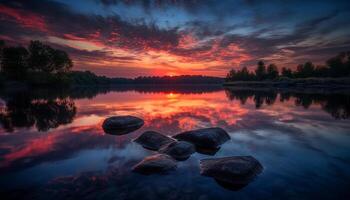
(23,110)
(336,104)
(260,97)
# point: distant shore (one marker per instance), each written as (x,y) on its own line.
(326,83)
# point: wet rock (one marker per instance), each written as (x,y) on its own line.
(153,140)
(231,185)
(159,163)
(178,150)
(231,172)
(210,138)
(207,151)
(120,125)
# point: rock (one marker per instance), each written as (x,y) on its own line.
(153,140)
(178,150)
(231,172)
(207,151)
(159,163)
(120,125)
(210,138)
(231,185)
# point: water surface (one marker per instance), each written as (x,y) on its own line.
(52,145)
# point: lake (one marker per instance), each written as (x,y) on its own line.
(52,145)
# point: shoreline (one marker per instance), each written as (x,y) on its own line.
(299,90)
(306,84)
(310,83)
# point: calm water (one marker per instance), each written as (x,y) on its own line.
(52,145)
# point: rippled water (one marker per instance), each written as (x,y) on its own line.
(52,145)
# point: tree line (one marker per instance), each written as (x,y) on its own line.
(89,78)
(16,62)
(335,67)
(183,79)
(40,64)
(36,62)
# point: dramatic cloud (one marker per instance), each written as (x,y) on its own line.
(168,37)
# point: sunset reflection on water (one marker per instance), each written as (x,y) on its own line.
(291,134)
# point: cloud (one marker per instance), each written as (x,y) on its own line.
(189,37)
(25,19)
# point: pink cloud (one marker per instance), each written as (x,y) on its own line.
(24,18)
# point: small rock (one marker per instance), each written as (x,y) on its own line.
(210,138)
(153,140)
(207,151)
(120,125)
(178,150)
(231,172)
(159,163)
(231,185)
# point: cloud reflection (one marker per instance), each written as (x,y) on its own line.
(258,122)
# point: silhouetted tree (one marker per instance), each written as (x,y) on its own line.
(62,62)
(321,71)
(260,71)
(43,58)
(240,75)
(306,70)
(286,72)
(339,65)
(40,57)
(14,62)
(231,75)
(272,72)
(245,74)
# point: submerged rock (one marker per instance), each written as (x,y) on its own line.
(231,185)
(207,151)
(120,125)
(210,138)
(178,150)
(153,140)
(231,172)
(159,163)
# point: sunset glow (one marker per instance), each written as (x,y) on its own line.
(174,99)
(202,38)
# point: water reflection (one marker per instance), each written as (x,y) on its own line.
(24,110)
(336,104)
(45,109)
(301,138)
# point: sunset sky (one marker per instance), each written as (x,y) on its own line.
(130,38)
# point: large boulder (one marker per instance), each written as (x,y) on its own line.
(120,125)
(159,163)
(210,138)
(153,140)
(231,172)
(178,150)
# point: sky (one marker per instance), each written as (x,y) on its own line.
(130,38)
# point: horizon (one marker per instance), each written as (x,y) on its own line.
(174,99)
(132,38)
